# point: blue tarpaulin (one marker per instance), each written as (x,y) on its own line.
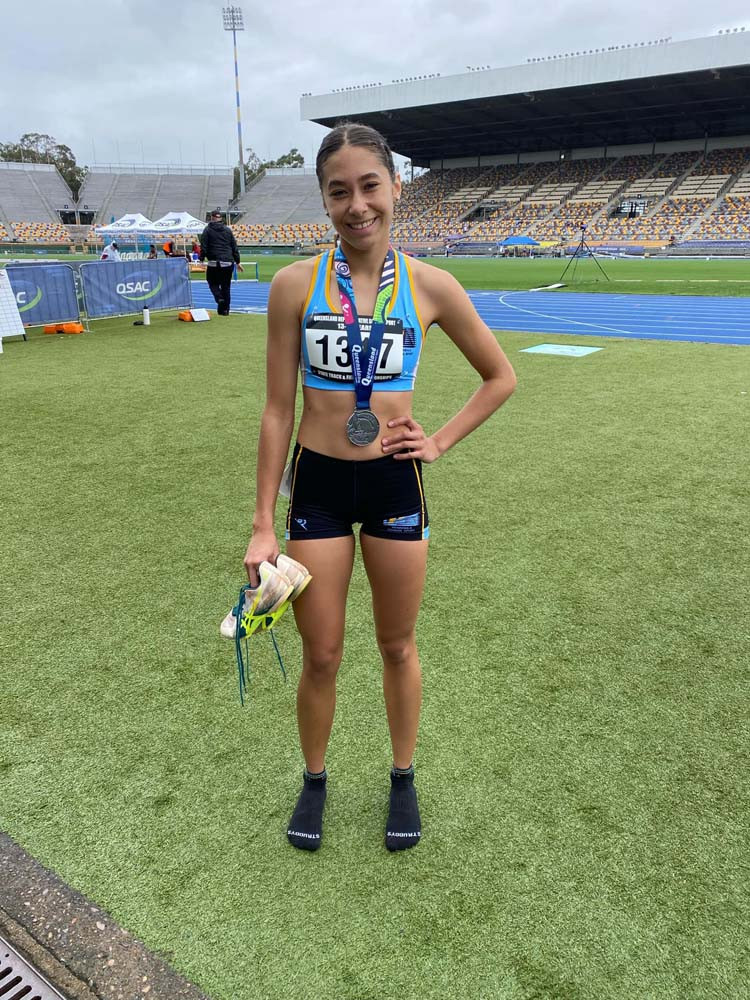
(519,241)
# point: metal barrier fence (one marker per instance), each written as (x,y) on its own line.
(121,288)
(45,293)
(59,293)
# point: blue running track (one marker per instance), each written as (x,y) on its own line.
(695,318)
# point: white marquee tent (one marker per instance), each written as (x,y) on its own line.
(177,224)
(133,224)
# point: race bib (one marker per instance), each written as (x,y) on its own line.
(328,351)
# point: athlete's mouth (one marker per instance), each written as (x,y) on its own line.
(362,225)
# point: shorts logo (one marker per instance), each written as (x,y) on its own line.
(302,522)
(404,523)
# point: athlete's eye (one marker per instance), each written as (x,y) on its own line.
(337,194)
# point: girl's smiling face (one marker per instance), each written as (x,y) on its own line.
(359,196)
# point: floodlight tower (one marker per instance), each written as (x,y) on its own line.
(233,22)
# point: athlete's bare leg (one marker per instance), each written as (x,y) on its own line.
(396,570)
(320,613)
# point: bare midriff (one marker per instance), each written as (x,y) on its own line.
(325,413)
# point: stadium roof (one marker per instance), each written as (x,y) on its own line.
(639,94)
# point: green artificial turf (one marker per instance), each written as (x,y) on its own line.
(583,758)
(642,276)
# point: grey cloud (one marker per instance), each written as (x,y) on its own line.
(156,79)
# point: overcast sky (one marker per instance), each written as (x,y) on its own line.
(152,81)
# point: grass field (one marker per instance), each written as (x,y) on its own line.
(642,276)
(583,757)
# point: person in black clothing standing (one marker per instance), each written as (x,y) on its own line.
(219,250)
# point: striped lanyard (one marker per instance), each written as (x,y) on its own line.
(364,356)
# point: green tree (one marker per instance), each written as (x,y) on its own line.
(36,147)
(291,159)
(255,166)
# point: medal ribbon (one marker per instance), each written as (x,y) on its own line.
(363,383)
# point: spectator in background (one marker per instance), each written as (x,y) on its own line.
(111,251)
(219,250)
(169,248)
(152,252)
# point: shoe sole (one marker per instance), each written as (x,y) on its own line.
(298,589)
(299,571)
(228,627)
(277,604)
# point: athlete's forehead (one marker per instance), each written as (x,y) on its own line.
(352,163)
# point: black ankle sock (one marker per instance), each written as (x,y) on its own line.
(306,825)
(404,827)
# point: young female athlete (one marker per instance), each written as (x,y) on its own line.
(354,321)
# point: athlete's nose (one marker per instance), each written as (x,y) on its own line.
(358,203)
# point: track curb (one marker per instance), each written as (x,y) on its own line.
(75,944)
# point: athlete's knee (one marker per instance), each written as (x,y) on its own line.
(399,650)
(322,660)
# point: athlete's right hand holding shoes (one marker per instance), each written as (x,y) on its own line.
(263,547)
(278,584)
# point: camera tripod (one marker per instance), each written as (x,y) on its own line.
(582,250)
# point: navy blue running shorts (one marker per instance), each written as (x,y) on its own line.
(328,495)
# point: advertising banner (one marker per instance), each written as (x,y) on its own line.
(116,288)
(45,293)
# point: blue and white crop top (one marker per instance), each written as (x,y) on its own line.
(324,355)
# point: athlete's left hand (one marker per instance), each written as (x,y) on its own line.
(408,440)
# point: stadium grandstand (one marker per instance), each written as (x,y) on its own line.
(646,145)
(113,192)
(33,197)
(37,207)
(282,209)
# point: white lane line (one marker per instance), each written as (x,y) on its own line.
(645,331)
(644,303)
(657,302)
(695,281)
(635,317)
(558,319)
(667,316)
(501,322)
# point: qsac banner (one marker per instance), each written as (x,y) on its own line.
(45,293)
(115,288)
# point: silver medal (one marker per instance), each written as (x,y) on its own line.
(362,428)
